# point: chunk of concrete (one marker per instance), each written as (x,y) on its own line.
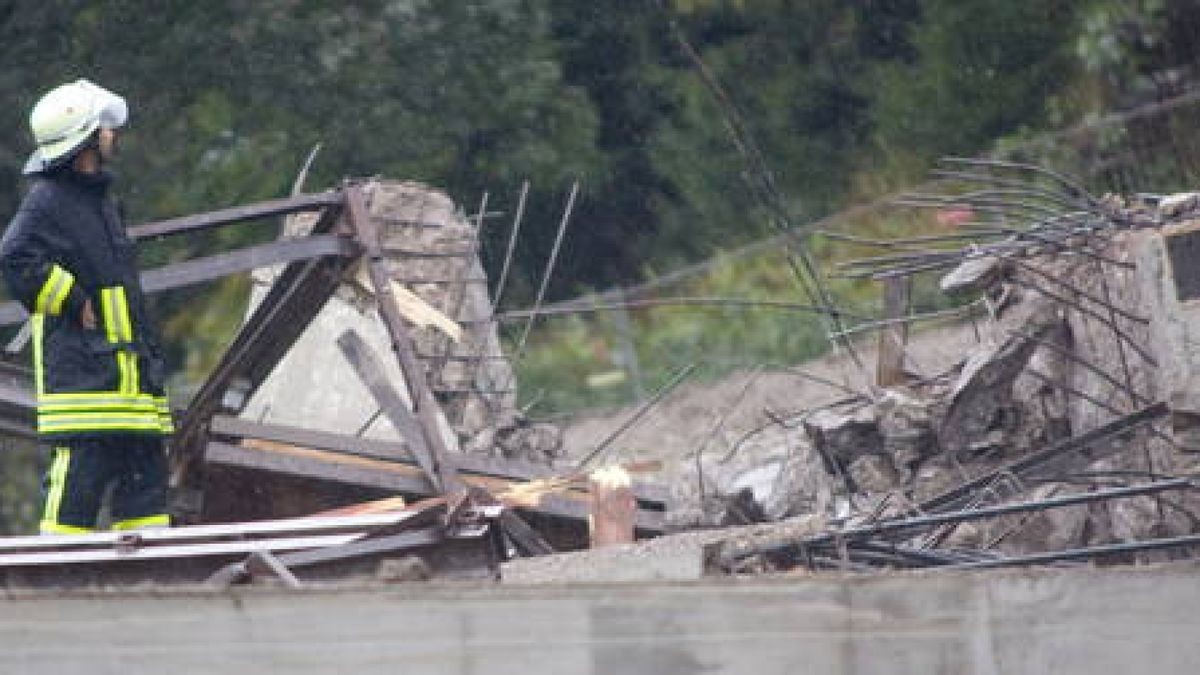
(843,435)
(976,274)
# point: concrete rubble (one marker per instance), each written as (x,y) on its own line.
(1069,342)
(1064,428)
(432,248)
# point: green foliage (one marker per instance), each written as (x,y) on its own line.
(844,99)
(983,70)
(565,367)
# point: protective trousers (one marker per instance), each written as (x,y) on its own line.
(82,470)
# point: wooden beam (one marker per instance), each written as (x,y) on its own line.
(234,429)
(393,476)
(236,214)
(897,295)
(424,404)
(371,372)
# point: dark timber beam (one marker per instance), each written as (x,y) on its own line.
(295,299)
(210,268)
(267,209)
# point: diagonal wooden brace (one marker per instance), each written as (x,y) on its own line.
(425,406)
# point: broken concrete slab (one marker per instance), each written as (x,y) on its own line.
(674,557)
(844,433)
(432,250)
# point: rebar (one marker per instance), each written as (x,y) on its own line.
(1088,365)
(551,262)
(1122,336)
(718,302)
(644,408)
(510,250)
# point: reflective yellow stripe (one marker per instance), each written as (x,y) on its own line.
(57,303)
(71,425)
(37,323)
(54,292)
(47,527)
(58,420)
(96,401)
(79,411)
(165,419)
(115,307)
(133,405)
(129,372)
(95,396)
(90,427)
(160,520)
(124,378)
(50,423)
(121,304)
(58,483)
(107,309)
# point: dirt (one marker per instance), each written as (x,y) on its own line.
(732,421)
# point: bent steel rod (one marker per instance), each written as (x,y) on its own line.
(1071,391)
(896,526)
(913,318)
(718,302)
(907,243)
(1025,465)
(1080,292)
(1032,188)
(638,414)
(1079,307)
(1073,186)
(993,198)
(549,271)
(1084,553)
(1091,367)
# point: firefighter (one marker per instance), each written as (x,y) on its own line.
(97,363)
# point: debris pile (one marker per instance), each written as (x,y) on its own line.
(1064,433)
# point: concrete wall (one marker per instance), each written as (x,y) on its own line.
(1079,622)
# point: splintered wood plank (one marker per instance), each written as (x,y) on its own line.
(271,457)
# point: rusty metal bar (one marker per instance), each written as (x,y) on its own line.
(1088,553)
(1027,465)
(907,524)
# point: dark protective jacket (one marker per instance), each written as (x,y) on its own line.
(66,244)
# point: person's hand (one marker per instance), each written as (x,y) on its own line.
(87,317)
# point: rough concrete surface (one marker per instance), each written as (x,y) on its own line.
(1083,622)
(675,557)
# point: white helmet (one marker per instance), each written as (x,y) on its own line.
(65,118)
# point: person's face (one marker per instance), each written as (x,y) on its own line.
(108,143)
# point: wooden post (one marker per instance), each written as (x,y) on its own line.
(614,508)
(897,294)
